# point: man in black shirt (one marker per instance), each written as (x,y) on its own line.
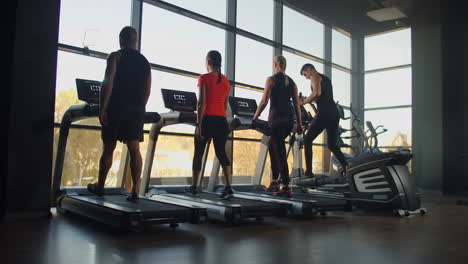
(125,92)
(327,116)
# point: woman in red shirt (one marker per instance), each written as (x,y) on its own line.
(211,121)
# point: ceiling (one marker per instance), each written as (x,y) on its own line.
(350,15)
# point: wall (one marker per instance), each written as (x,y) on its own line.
(427,97)
(31,111)
(440,96)
(455,85)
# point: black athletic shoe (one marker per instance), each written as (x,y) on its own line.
(93,188)
(133,197)
(308,175)
(285,191)
(191,190)
(226,193)
(343,170)
(274,187)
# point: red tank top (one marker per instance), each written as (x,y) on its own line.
(216,93)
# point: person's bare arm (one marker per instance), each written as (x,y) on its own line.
(201,104)
(265,98)
(297,109)
(316,91)
(107,85)
(148,87)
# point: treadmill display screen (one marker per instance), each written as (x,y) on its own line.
(88,91)
(179,100)
(243,106)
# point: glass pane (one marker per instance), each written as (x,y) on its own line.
(254,61)
(302,32)
(398,122)
(173,160)
(177,41)
(71,66)
(82,23)
(388,88)
(386,50)
(249,18)
(81,164)
(341,82)
(341,49)
(211,8)
(294,64)
(244,161)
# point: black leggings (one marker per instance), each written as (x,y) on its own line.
(216,128)
(315,128)
(277,150)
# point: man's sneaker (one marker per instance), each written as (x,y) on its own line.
(226,193)
(343,170)
(93,188)
(308,175)
(133,197)
(285,191)
(191,190)
(274,187)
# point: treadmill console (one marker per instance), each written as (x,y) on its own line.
(88,91)
(179,100)
(243,107)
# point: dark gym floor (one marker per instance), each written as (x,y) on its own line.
(439,237)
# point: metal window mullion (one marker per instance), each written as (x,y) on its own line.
(327,70)
(136,18)
(387,107)
(278,27)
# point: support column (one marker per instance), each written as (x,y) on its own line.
(327,71)
(357,79)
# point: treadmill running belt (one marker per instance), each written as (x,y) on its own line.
(233,200)
(120,202)
(320,200)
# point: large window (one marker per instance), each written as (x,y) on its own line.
(387,50)
(341,82)
(341,49)
(388,88)
(176,44)
(396,121)
(215,9)
(87,23)
(302,32)
(388,82)
(70,67)
(177,41)
(256,17)
(254,61)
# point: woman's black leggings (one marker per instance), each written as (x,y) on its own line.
(315,128)
(277,150)
(216,128)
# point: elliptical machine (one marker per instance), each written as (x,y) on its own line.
(374,180)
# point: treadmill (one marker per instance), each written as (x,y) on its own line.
(112,208)
(183,106)
(300,204)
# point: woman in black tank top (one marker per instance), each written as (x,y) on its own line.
(327,117)
(280,89)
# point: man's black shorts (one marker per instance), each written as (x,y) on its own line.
(124,125)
